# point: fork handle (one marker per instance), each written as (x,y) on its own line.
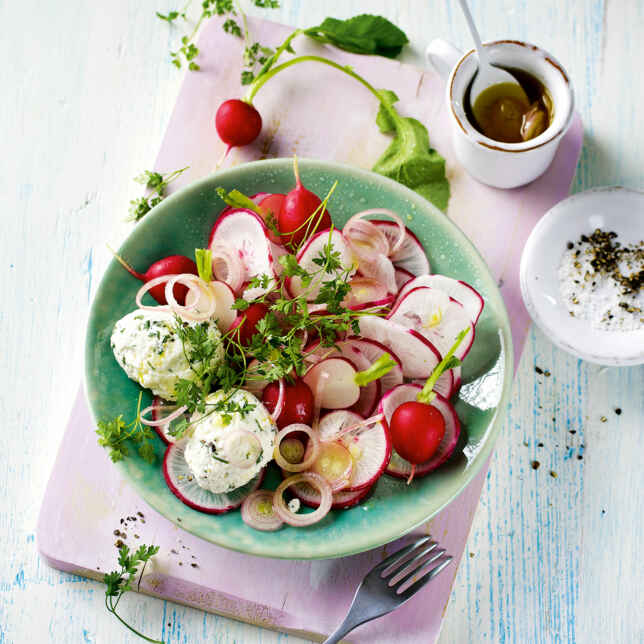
(347,626)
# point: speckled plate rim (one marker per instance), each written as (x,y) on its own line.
(530,264)
(370,540)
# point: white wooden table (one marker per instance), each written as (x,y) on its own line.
(87,89)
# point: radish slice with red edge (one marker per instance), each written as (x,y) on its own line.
(162,425)
(436,316)
(370,446)
(400,468)
(365,293)
(445,385)
(411,255)
(418,356)
(462,292)
(340,389)
(341,500)
(302,520)
(310,454)
(257,511)
(335,464)
(402,277)
(184,486)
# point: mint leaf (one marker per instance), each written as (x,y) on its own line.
(363,34)
(409,159)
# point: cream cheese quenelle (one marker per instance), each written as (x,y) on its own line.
(228,448)
(148,349)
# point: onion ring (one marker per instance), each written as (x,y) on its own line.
(145,288)
(281,396)
(232,455)
(257,511)
(301,520)
(313,448)
(392,215)
(161,421)
(227,266)
(191,311)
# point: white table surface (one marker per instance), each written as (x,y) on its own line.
(87,90)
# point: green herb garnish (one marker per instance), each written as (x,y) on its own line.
(119,582)
(156,184)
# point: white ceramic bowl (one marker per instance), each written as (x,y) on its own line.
(613,208)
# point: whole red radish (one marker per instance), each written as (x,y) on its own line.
(298,402)
(246,322)
(296,214)
(171,265)
(270,207)
(238,123)
(416,427)
(417,430)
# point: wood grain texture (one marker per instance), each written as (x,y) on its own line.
(88,92)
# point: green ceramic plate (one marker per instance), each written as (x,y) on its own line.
(183,222)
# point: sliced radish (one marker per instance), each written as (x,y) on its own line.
(372,350)
(418,356)
(184,486)
(398,466)
(366,293)
(436,316)
(371,392)
(340,390)
(164,430)
(411,255)
(470,299)
(402,277)
(341,500)
(310,252)
(244,232)
(370,446)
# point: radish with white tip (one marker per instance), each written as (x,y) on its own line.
(340,389)
(418,419)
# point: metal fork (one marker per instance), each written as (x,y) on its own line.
(393,582)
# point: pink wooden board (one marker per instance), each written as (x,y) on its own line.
(316,112)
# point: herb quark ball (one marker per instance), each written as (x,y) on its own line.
(148,346)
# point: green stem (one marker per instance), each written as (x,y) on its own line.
(263,77)
(383,365)
(427,393)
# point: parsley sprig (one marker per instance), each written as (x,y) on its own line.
(155,184)
(119,582)
(115,434)
(254,53)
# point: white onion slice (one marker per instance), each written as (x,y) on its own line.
(145,288)
(242,448)
(254,382)
(311,452)
(227,266)
(257,511)
(392,215)
(279,405)
(326,465)
(366,240)
(193,311)
(301,520)
(161,421)
(382,270)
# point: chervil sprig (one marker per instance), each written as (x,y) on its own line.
(118,582)
(156,184)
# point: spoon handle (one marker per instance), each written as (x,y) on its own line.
(482,54)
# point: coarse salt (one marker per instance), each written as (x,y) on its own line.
(597,295)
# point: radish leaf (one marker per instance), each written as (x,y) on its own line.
(409,159)
(364,34)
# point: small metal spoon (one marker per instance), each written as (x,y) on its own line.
(487,74)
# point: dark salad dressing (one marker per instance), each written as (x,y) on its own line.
(501,112)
